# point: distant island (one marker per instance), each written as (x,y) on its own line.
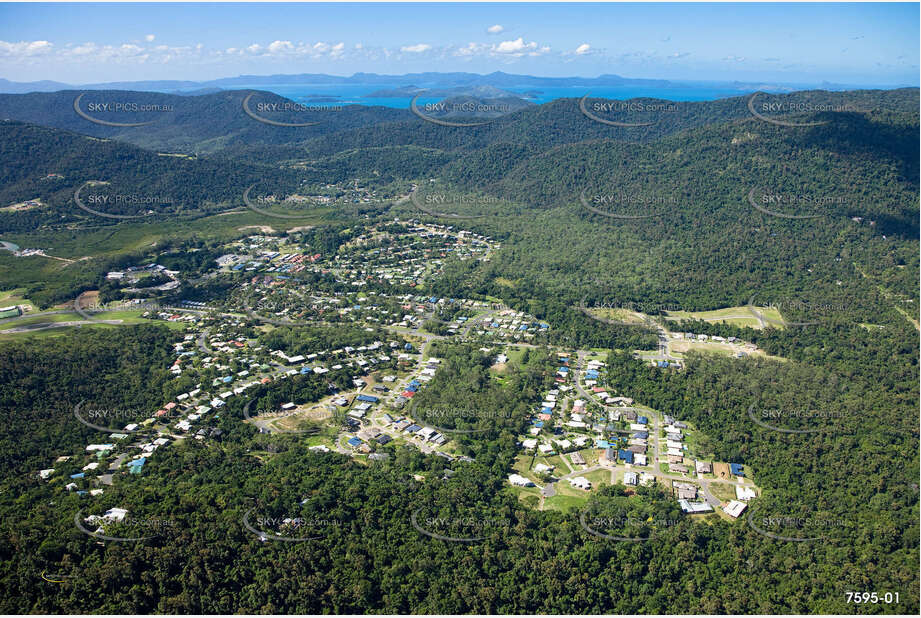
(481,92)
(428,80)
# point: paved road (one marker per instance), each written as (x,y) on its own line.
(201,342)
(477,320)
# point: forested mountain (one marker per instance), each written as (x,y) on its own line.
(563,122)
(191,124)
(51,164)
(213,122)
(695,190)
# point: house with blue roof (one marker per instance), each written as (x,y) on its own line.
(736,469)
(625,456)
(368,398)
(78,475)
(137,465)
(354,442)
(642,420)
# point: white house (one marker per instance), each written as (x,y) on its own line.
(520,481)
(745,493)
(735,508)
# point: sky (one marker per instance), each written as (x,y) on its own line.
(874,44)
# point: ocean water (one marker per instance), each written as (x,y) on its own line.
(354,94)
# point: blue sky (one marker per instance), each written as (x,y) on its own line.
(857,44)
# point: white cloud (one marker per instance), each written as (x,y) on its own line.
(82,50)
(506,49)
(277,47)
(472,49)
(495,29)
(583,49)
(512,47)
(416,49)
(149,38)
(518,48)
(25,48)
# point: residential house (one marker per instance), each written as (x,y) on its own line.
(520,481)
(735,508)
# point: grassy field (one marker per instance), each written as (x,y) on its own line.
(514,354)
(591,457)
(555,461)
(16,297)
(723,491)
(617,315)
(565,503)
(530,500)
(598,354)
(102,240)
(522,466)
(736,316)
(598,478)
(679,347)
(312,417)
